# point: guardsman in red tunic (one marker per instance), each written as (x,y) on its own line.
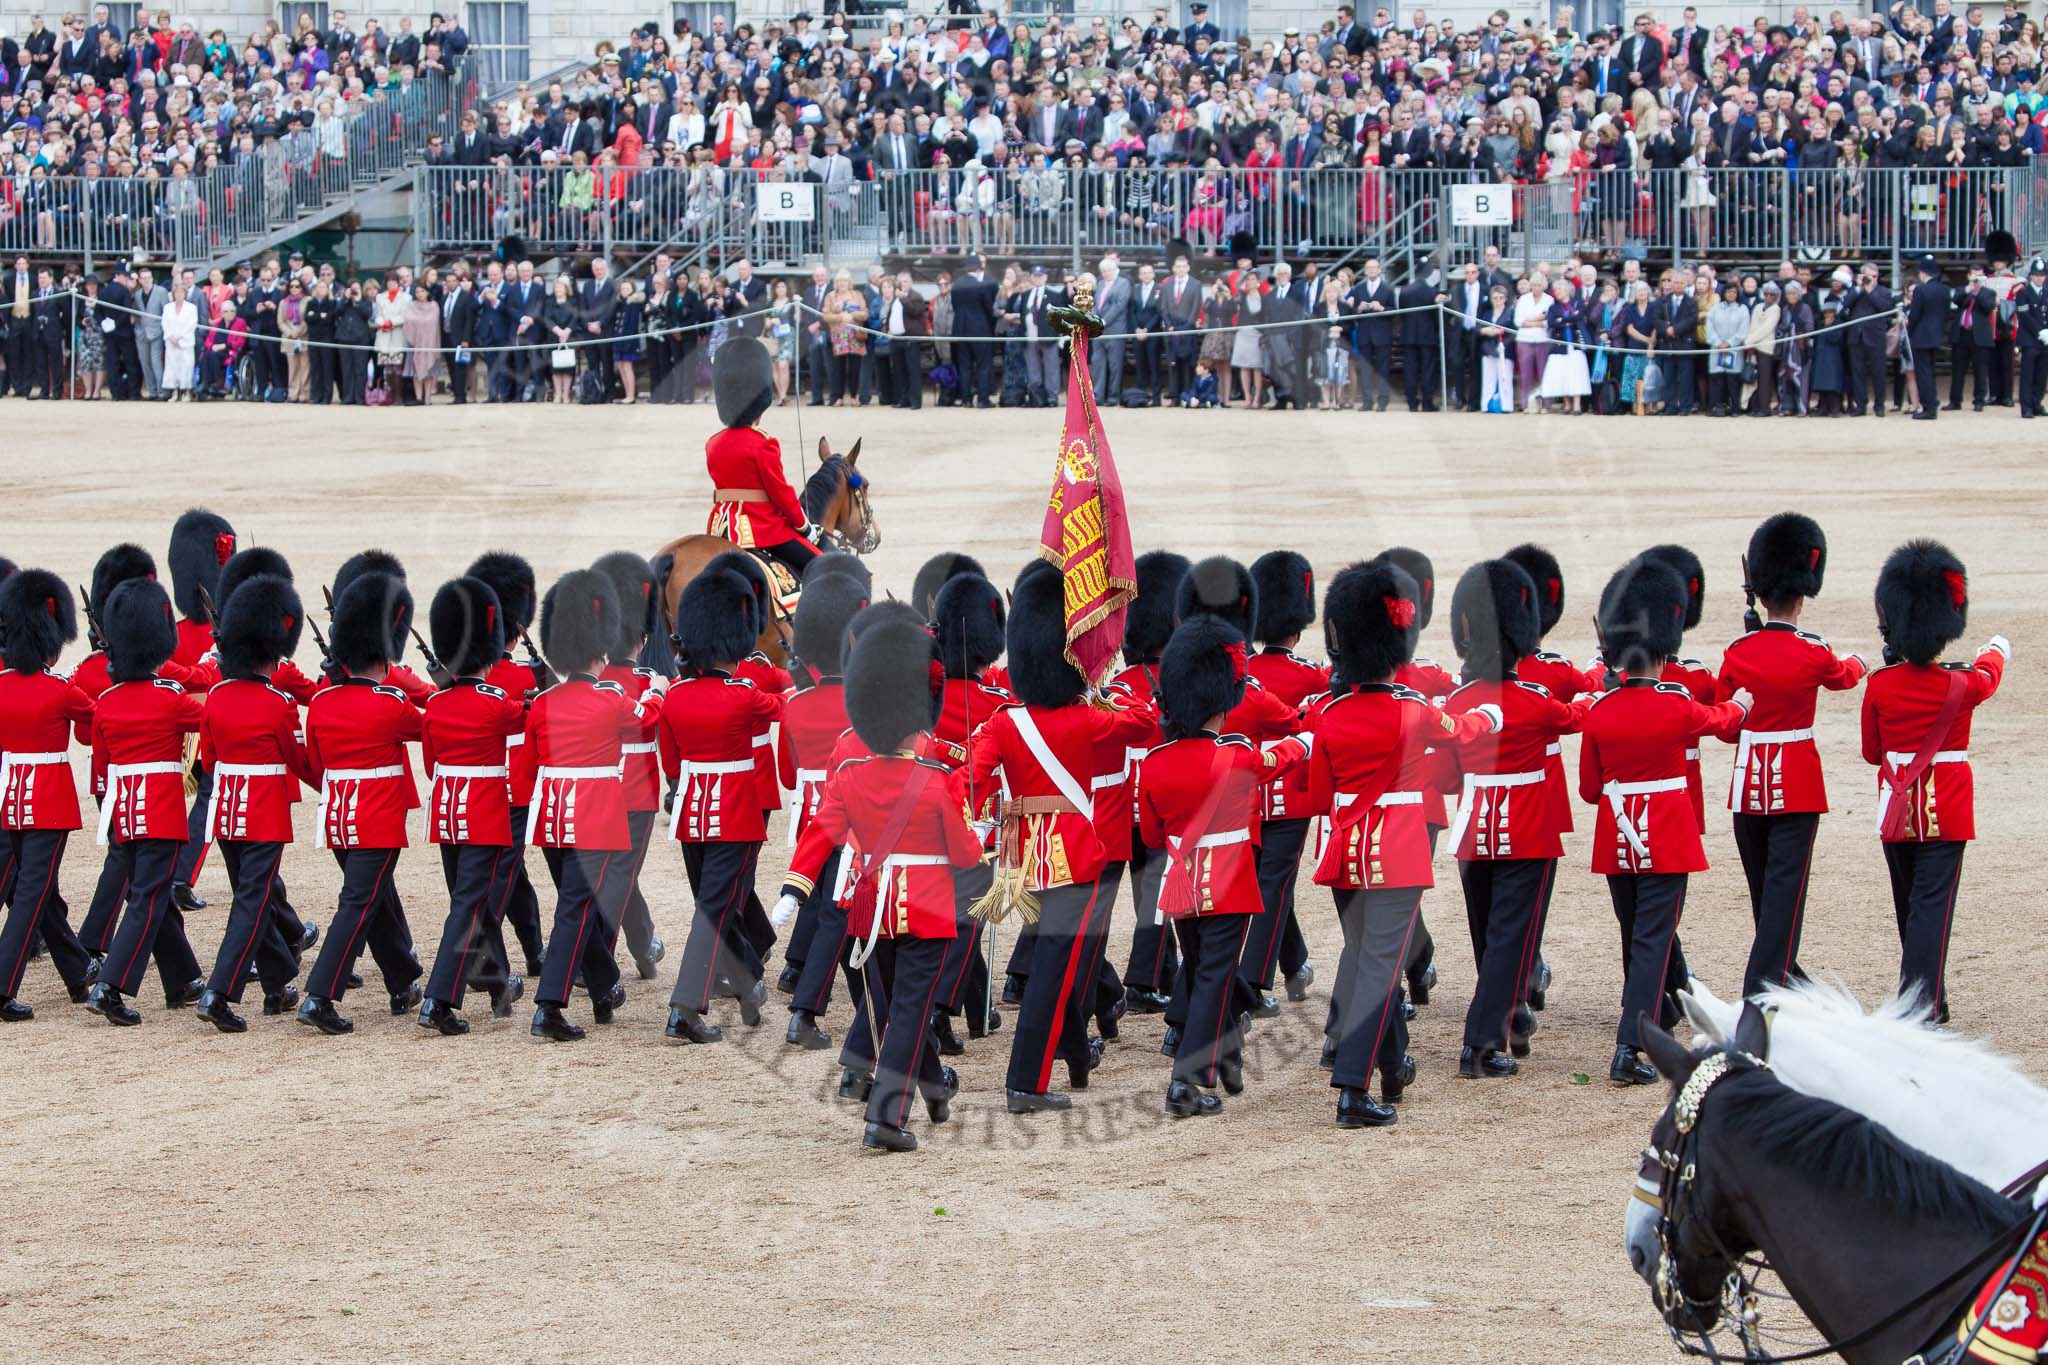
(201,543)
(1632,764)
(1199,795)
(1916,731)
(752,504)
(416,688)
(1154,964)
(1049,852)
(1505,836)
(578,730)
(633,580)
(1287,606)
(812,722)
(1435,683)
(462,746)
(706,734)
(140,724)
(1776,791)
(249,741)
(758,669)
(1694,676)
(511,578)
(356,733)
(38,795)
(1560,677)
(901,819)
(1369,763)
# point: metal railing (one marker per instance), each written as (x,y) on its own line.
(1340,213)
(197,216)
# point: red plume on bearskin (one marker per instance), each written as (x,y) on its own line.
(259,625)
(511,578)
(467,626)
(1923,600)
(37,619)
(1493,617)
(1219,586)
(1691,571)
(1286,585)
(1201,675)
(201,542)
(1548,576)
(749,568)
(1370,616)
(139,629)
(1788,557)
(1416,565)
(372,619)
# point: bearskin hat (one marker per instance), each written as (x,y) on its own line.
(1788,557)
(633,580)
(1642,615)
(1544,571)
(141,632)
(749,568)
(822,616)
(1416,565)
(117,566)
(37,619)
(968,619)
(247,564)
(372,617)
(880,613)
(715,621)
(936,573)
(1201,674)
(369,561)
(1222,587)
(890,693)
(8,568)
(578,618)
(1494,619)
(1286,585)
(467,626)
(1923,600)
(840,562)
(1370,620)
(743,380)
(259,625)
(201,542)
(511,577)
(1037,637)
(1689,568)
(1148,623)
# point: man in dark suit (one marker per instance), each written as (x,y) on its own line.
(1642,57)
(896,153)
(1461,336)
(458,334)
(521,305)
(1373,336)
(17,329)
(492,328)
(1148,348)
(1180,311)
(1867,308)
(596,301)
(124,365)
(974,315)
(1199,25)
(1689,43)
(581,131)
(1421,352)
(1926,333)
(1604,74)
(1678,319)
(817,343)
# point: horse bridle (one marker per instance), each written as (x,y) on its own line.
(1737,1303)
(871,530)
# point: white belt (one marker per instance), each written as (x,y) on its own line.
(514,741)
(1306,737)
(1692,755)
(334,775)
(1220,839)
(1478,782)
(115,773)
(1110,781)
(9,762)
(689,770)
(1750,742)
(806,778)
(221,770)
(544,774)
(643,747)
(1617,793)
(760,741)
(1344,799)
(1901,762)
(863,951)
(1554,749)
(489,770)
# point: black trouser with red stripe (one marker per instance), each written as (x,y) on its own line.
(36,908)
(1052,1021)
(1108,999)
(252,930)
(472,950)
(522,906)
(1648,906)
(590,892)
(109,894)
(193,851)
(1777,854)
(902,978)
(1536,945)
(1379,926)
(638,920)
(1154,962)
(1212,947)
(366,914)
(151,925)
(1504,900)
(1275,938)
(827,951)
(963,978)
(721,875)
(1925,878)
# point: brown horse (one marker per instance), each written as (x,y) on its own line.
(835,498)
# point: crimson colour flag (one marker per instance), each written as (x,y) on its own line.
(1085,531)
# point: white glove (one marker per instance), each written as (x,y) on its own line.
(1492,712)
(1743,699)
(984,828)
(2002,645)
(2042,336)
(784,911)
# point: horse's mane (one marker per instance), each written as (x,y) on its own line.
(1899,1025)
(822,487)
(1832,1148)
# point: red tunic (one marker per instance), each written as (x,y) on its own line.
(37,713)
(1900,703)
(416,688)
(1504,801)
(356,734)
(756,669)
(643,765)
(249,738)
(707,745)
(140,729)
(1058,840)
(462,744)
(576,731)
(92,678)
(742,459)
(1114,790)
(1562,679)
(812,721)
(816,844)
(1368,767)
(1777,765)
(195,641)
(1434,683)
(1198,799)
(515,679)
(914,890)
(1632,761)
(1293,680)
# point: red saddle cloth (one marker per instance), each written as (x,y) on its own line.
(2015,1328)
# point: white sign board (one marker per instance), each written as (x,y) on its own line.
(784,202)
(1487,206)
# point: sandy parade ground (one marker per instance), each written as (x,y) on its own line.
(184,1194)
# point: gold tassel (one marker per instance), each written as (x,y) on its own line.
(191,766)
(1011,889)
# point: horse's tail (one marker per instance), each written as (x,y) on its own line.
(659,654)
